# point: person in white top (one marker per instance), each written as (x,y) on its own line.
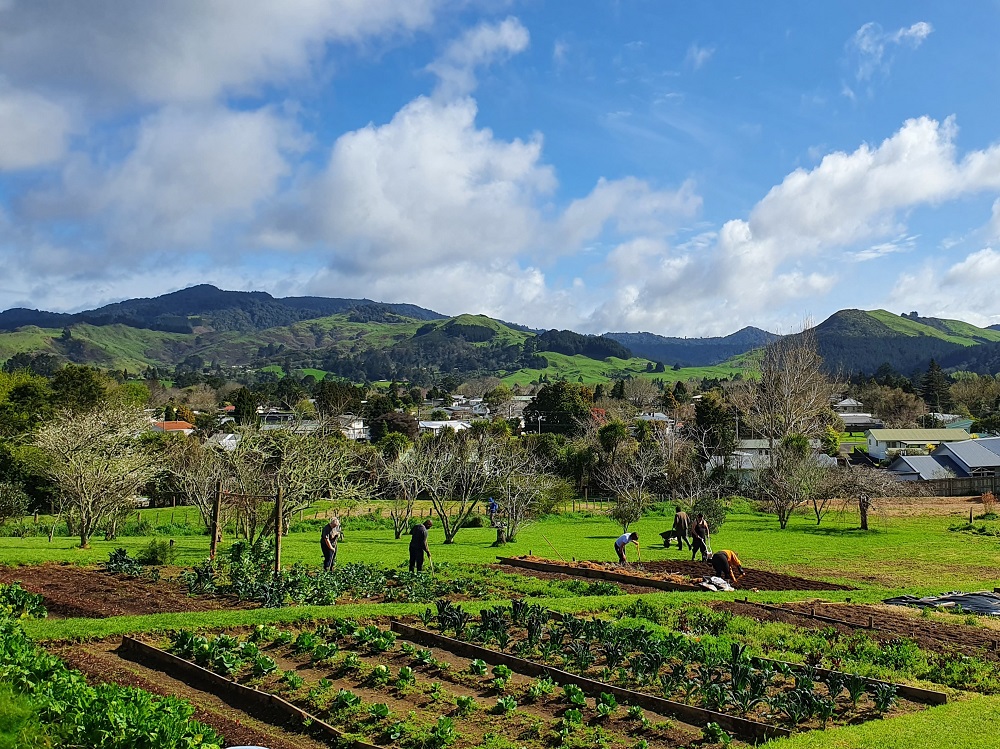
(624,540)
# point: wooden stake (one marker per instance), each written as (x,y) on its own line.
(216,515)
(277,530)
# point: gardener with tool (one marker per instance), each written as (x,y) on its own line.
(682,524)
(624,540)
(726,565)
(700,534)
(328,541)
(418,545)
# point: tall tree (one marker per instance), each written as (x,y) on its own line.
(936,389)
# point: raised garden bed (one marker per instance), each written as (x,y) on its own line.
(364,684)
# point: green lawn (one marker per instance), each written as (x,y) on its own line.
(899,553)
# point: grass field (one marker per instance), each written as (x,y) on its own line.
(591,371)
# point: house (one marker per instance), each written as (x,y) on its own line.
(887,443)
(848,406)
(353,427)
(227,442)
(173,427)
(967,459)
(435,427)
(855,418)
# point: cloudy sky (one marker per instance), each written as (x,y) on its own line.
(682,168)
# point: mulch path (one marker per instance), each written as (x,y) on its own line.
(72,591)
(887,623)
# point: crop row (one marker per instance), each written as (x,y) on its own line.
(77,714)
(673,665)
(352,656)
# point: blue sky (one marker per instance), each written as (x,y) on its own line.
(682,168)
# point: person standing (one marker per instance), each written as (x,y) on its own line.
(682,525)
(624,540)
(328,541)
(418,545)
(700,533)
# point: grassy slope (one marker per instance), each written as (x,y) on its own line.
(26,339)
(961,332)
(135,348)
(572,368)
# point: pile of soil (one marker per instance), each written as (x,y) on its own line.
(562,577)
(72,591)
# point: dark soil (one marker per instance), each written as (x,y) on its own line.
(99,664)
(71,591)
(561,577)
(886,624)
(759,579)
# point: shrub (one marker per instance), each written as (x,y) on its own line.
(158,552)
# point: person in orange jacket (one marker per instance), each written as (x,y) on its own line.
(727,565)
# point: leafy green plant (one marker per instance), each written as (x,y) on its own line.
(503,672)
(713,733)
(573,716)
(477,667)
(424,657)
(380,674)
(407,676)
(379,710)
(346,700)
(351,662)
(635,712)
(856,686)
(884,696)
(17,603)
(292,679)
(574,695)
(436,694)
(465,705)
(263,666)
(506,705)
(542,687)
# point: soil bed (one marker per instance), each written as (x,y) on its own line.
(563,577)
(885,623)
(671,572)
(71,591)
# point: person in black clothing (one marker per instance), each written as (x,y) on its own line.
(418,545)
(328,540)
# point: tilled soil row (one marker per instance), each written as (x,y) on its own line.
(100,664)
(885,625)
(71,591)
(759,579)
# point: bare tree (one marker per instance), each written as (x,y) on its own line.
(640,392)
(630,478)
(518,484)
(402,478)
(792,394)
(13,502)
(97,461)
(196,469)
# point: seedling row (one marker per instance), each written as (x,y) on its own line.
(674,666)
(380,690)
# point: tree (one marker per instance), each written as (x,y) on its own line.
(196,470)
(791,478)
(393,421)
(792,394)
(401,474)
(499,399)
(935,389)
(716,426)
(79,388)
(245,403)
(14,502)
(560,407)
(521,489)
(629,479)
(640,392)
(97,461)
(897,408)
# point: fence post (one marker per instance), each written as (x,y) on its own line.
(277,530)
(216,515)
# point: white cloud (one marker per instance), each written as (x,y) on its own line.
(697,56)
(184,50)
(881,249)
(477,47)
(427,187)
(34,129)
(189,173)
(872,48)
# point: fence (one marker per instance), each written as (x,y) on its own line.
(967,487)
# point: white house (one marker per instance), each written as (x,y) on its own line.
(435,427)
(885,443)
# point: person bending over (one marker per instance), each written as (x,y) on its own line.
(727,565)
(328,541)
(624,540)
